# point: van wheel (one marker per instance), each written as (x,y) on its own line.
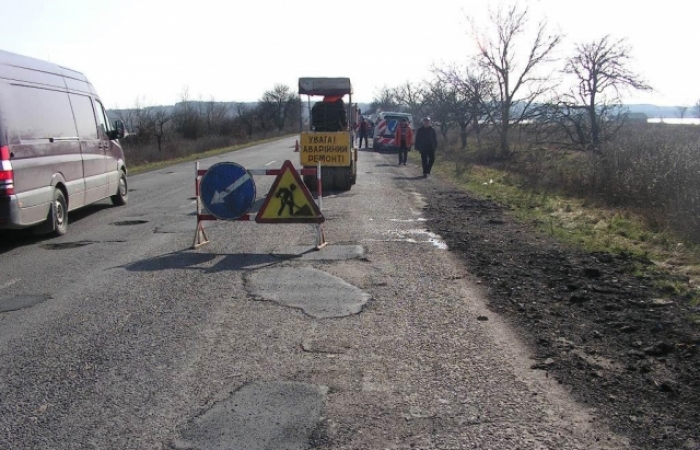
(122,195)
(59,211)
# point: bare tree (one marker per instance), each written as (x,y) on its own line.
(277,105)
(697,109)
(412,98)
(591,112)
(160,118)
(385,100)
(441,100)
(142,118)
(682,110)
(518,83)
(214,116)
(187,118)
(246,117)
(473,92)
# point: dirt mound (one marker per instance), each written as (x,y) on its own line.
(624,347)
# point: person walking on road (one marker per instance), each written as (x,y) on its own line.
(363,130)
(426,144)
(403,140)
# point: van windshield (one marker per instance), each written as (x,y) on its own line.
(396,118)
(391,122)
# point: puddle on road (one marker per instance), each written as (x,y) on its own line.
(413,237)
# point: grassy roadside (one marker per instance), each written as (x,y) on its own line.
(151,166)
(674,265)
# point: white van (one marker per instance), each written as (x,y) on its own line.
(58,151)
(385,130)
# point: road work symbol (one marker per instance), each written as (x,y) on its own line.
(289,200)
(227,191)
(286,195)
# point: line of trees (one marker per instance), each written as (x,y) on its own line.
(160,132)
(514,82)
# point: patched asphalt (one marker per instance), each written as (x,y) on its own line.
(21,302)
(259,416)
(317,293)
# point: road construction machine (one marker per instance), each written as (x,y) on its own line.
(328,139)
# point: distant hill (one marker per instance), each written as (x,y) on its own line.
(653,111)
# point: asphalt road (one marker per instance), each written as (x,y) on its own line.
(132,341)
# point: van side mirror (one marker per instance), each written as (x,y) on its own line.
(118,132)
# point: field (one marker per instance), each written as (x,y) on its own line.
(594,259)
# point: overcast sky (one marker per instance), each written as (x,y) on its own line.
(235,50)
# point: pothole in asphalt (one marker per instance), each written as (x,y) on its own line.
(413,237)
(325,346)
(129,222)
(260,416)
(328,253)
(65,245)
(22,302)
(317,293)
(185,226)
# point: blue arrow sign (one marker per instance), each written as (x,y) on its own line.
(227,191)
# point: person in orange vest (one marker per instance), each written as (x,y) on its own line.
(403,140)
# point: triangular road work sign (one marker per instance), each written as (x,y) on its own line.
(289,200)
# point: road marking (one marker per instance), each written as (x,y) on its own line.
(9,283)
(219,196)
(270,163)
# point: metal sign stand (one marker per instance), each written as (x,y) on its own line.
(200,236)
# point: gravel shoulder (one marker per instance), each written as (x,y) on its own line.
(618,344)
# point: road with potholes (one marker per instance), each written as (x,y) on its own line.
(118,336)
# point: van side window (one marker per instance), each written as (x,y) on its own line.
(84,116)
(36,113)
(102,122)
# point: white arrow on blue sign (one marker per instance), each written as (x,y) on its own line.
(227,191)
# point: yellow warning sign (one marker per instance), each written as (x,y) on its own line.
(289,200)
(328,148)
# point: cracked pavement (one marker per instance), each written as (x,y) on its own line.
(140,335)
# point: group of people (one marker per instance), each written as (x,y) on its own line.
(425,142)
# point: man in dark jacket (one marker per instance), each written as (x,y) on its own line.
(363,129)
(426,144)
